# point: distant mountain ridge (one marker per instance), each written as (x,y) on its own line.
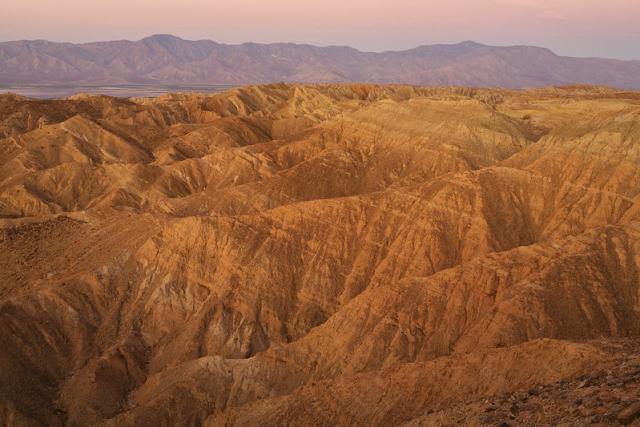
(166,59)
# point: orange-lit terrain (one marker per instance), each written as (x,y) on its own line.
(321,255)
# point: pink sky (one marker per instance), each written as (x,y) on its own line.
(609,28)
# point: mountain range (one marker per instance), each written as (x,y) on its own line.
(166,59)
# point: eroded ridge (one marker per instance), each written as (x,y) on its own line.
(320,254)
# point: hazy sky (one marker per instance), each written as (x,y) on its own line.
(608,28)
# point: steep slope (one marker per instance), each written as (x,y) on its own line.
(324,255)
(165,59)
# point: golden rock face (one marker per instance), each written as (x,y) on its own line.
(319,255)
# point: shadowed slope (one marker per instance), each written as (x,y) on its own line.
(267,254)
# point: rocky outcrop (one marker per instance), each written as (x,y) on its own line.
(313,254)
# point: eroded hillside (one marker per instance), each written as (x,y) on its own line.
(316,255)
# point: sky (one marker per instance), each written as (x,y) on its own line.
(604,28)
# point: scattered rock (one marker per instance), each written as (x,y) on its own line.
(630,413)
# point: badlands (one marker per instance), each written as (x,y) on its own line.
(321,255)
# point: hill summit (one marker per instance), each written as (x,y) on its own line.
(169,60)
(321,255)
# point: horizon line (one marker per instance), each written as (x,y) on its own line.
(306,44)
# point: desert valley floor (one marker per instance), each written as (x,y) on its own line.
(321,255)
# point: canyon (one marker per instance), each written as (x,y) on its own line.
(326,254)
